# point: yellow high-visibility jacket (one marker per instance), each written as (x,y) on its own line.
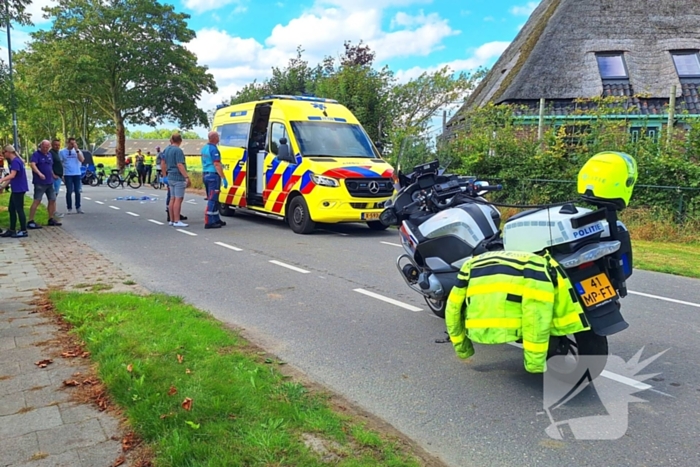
(507,296)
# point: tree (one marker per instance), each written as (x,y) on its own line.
(15,11)
(128,57)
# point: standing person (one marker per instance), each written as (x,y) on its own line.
(41,163)
(161,167)
(140,166)
(148,166)
(72,159)
(57,168)
(213,178)
(18,182)
(178,179)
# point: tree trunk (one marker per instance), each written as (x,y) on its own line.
(121,141)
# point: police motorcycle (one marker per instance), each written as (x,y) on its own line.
(443,221)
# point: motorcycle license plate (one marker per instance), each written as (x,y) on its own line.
(370,216)
(595,290)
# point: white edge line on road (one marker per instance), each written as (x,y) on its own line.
(132,214)
(114,207)
(139,192)
(672,300)
(186,232)
(230,247)
(615,377)
(289,266)
(388,300)
(391,244)
(155,222)
(99,202)
(85,197)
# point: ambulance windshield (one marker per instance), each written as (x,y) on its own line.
(330,139)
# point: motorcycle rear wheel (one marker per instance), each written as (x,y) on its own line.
(436,306)
(587,344)
(93,181)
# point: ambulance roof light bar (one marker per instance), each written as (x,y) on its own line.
(300,98)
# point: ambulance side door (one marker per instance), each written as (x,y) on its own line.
(233,141)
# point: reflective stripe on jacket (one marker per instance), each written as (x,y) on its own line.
(508,296)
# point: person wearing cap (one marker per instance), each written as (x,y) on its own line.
(17,179)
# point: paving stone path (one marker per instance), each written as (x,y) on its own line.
(39,423)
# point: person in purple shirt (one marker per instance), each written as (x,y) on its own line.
(42,168)
(17,179)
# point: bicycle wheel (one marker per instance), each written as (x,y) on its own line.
(133,181)
(113,181)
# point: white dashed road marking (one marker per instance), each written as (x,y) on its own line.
(155,222)
(672,300)
(391,244)
(114,207)
(191,201)
(99,202)
(230,247)
(132,214)
(388,300)
(186,232)
(85,197)
(289,266)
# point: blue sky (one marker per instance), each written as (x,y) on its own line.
(240,40)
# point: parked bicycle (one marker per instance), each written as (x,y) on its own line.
(157,181)
(116,180)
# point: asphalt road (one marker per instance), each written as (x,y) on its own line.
(305,299)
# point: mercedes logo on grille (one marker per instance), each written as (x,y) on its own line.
(373,187)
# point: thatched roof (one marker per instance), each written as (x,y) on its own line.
(191,147)
(553,56)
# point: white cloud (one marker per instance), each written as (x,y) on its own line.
(481,56)
(320,31)
(524,10)
(19,40)
(35,10)
(201,6)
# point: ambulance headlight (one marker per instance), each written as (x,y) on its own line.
(324,181)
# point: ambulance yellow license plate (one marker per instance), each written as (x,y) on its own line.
(370,216)
(595,290)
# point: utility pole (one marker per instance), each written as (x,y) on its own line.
(13,100)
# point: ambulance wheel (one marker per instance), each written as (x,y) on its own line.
(226,210)
(583,352)
(377,225)
(436,306)
(298,216)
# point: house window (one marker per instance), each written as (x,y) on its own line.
(612,66)
(638,132)
(687,63)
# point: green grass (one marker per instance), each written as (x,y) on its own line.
(244,410)
(672,258)
(41,218)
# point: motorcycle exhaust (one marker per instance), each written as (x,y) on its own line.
(425,283)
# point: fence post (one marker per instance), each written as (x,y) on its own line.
(679,218)
(540,126)
(671,114)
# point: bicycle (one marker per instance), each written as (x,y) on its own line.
(116,180)
(157,181)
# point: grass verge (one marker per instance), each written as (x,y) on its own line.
(672,258)
(41,218)
(199,394)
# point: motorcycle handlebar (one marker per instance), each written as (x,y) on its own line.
(498,187)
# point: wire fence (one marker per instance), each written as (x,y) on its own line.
(683,203)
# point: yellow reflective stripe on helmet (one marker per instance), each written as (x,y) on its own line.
(509,323)
(566,320)
(535,346)
(458,339)
(515,289)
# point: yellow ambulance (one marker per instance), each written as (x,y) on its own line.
(303,159)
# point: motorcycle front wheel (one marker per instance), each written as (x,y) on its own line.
(93,181)
(134,183)
(578,354)
(436,306)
